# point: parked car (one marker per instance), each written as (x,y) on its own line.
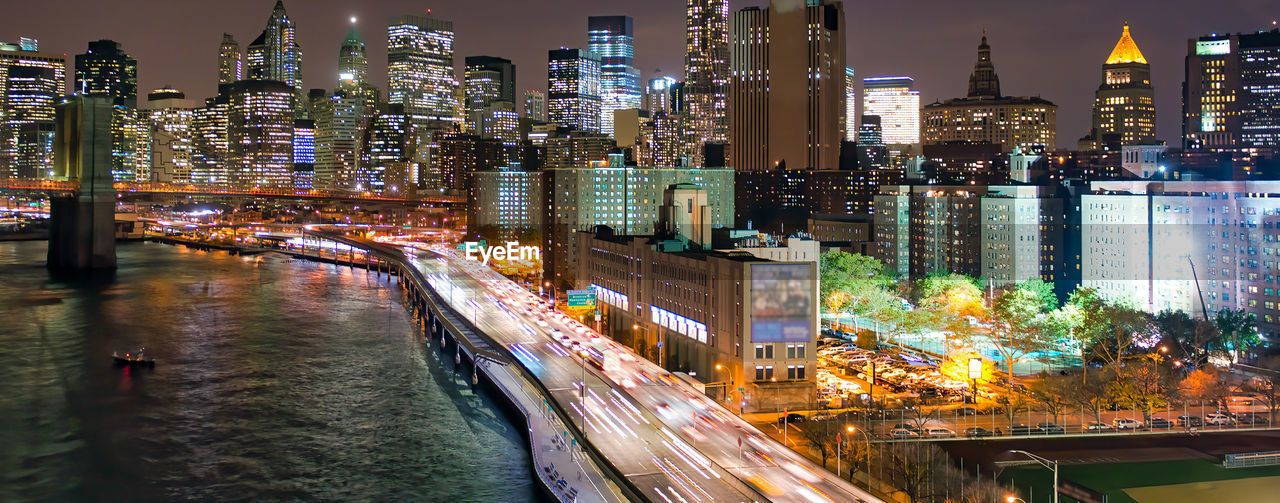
(1190,421)
(1096,427)
(1022,429)
(977,432)
(967,411)
(1252,419)
(939,432)
(1126,424)
(1219,419)
(791,418)
(903,433)
(1051,429)
(908,427)
(1159,423)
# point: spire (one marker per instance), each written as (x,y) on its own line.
(984,82)
(353,35)
(1126,50)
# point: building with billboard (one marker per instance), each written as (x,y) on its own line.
(745,323)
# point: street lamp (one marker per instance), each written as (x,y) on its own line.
(975,372)
(1014,499)
(1048,463)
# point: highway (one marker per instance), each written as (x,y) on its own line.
(671,441)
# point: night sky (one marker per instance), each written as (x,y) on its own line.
(1051,49)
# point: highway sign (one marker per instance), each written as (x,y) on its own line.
(582,298)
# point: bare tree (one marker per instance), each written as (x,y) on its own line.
(1142,384)
(821,435)
(1054,392)
(1010,404)
(1094,394)
(917,468)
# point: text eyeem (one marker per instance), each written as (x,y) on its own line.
(512,251)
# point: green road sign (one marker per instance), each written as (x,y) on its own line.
(582,298)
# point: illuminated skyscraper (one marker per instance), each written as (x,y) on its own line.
(260,123)
(353,69)
(897,105)
(31,84)
(1232,91)
(788,86)
(304,153)
(229,64)
(850,105)
(105,70)
(1124,107)
(337,135)
(612,39)
(535,105)
(488,80)
(420,67)
(573,85)
(170,114)
(275,54)
(657,95)
(210,147)
(706,70)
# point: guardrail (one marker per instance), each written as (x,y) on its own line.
(1247,459)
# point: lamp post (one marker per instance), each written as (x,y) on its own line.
(975,372)
(1048,463)
(852,464)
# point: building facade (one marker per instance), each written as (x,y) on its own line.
(230,61)
(420,73)
(260,134)
(705,89)
(31,84)
(1230,92)
(573,89)
(897,104)
(613,40)
(487,80)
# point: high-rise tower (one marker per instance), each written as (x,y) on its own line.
(229,64)
(612,39)
(420,67)
(31,85)
(488,80)
(1231,94)
(573,89)
(353,69)
(789,85)
(984,82)
(1124,107)
(706,71)
(275,54)
(106,70)
(897,105)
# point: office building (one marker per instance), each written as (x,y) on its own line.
(705,89)
(505,205)
(260,134)
(487,80)
(662,141)
(304,154)
(850,106)
(789,85)
(172,134)
(210,147)
(894,100)
(624,198)
(353,69)
(275,54)
(573,89)
(1231,97)
(987,116)
(657,95)
(106,70)
(1124,107)
(420,72)
(535,105)
(386,155)
(31,85)
(230,63)
(456,156)
(339,120)
(577,150)
(612,39)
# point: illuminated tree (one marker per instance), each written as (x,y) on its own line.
(1239,332)
(1017,326)
(953,293)
(1205,384)
(1054,392)
(1143,385)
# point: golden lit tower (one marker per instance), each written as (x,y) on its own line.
(1124,110)
(706,71)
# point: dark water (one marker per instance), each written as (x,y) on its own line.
(278,380)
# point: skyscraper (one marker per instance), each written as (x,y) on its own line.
(1231,95)
(488,80)
(229,64)
(986,116)
(657,95)
(706,70)
(260,123)
(31,84)
(105,70)
(337,134)
(1124,107)
(385,153)
(275,54)
(535,105)
(612,39)
(420,67)
(897,105)
(170,114)
(210,147)
(850,105)
(788,86)
(573,88)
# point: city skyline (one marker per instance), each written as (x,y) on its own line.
(182,53)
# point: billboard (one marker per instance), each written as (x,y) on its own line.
(782,308)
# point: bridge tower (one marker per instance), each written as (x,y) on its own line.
(82,227)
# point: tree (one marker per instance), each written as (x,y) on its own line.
(851,283)
(1010,404)
(1264,386)
(1205,384)
(954,293)
(1110,330)
(1016,326)
(1043,291)
(821,435)
(1192,337)
(1239,332)
(1094,393)
(1064,323)
(1143,385)
(917,468)
(1054,392)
